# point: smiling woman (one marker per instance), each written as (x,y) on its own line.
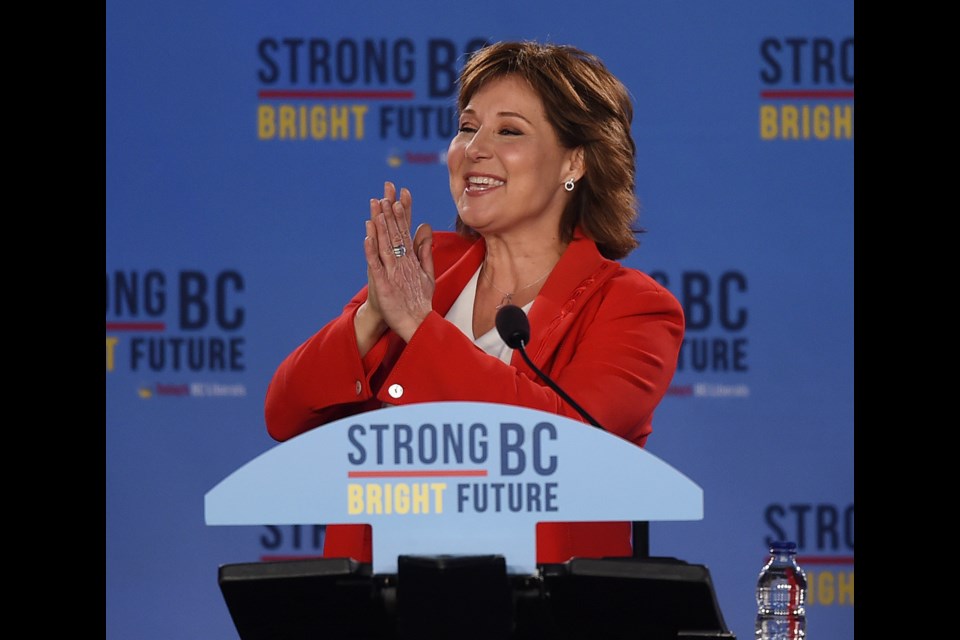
(541,169)
(506,150)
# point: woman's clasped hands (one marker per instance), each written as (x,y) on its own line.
(400,275)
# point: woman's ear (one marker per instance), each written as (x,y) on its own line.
(577,167)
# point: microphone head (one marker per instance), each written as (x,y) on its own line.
(513,326)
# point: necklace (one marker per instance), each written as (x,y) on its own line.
(508,295)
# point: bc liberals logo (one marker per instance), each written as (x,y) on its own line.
(716,339)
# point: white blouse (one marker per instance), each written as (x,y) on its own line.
(461,315)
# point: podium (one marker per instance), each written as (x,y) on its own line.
(453,491)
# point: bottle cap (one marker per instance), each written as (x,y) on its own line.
(783,545)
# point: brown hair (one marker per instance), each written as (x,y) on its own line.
(588,107)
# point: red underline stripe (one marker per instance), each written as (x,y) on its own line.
(802,560)
(136,326)
(417,474)
(807,93)
(358,95)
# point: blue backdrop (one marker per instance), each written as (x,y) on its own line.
(243,141)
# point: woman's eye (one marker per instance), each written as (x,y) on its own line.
(506,131)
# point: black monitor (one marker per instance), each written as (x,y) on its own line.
(301,599)
(657,598)
(472,597)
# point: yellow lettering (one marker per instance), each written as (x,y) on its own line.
(374,498)
(318,123)
(400,498)
(768,122)
(403,498)
(421,498)
(821,122)
(266,122)
(288,121)
(438,489)
(842,121)
(845,588)
(339,123)
(359,115)
(788,122)
(354,499)
(111,345)
(830,588)
(388,498)
(825,588)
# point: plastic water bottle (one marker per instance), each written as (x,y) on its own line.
(781,590)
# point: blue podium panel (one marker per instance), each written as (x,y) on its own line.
(459,478)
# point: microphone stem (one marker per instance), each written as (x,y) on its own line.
(561,392)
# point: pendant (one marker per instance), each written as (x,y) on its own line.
(507,299)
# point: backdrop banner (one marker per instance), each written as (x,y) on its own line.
(243,142)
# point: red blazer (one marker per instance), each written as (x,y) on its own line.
(606,334)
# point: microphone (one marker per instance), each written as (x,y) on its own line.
(514,327)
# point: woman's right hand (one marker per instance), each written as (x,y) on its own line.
(400,285)
(368,321)
(376,208)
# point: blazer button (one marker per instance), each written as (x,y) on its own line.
(395,391)
(359,387)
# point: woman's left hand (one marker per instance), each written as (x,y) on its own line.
(400,268)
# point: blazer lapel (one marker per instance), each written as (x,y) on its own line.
(452,281)
(578,276)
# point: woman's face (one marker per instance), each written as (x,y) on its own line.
(507,167)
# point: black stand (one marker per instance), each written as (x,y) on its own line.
(640,536)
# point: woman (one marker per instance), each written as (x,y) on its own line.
(542,173)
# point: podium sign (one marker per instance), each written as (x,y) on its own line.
(453,478)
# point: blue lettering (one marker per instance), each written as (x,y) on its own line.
(461,496)
(478,443)
(379,430)
(511,442)
(551,501)
(427,439)
(361,454)
(538,466)
(402,438)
